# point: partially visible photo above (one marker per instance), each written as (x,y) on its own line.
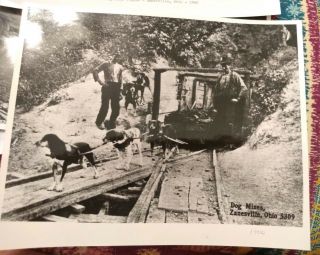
(9,30)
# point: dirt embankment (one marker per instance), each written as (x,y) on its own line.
(267,170)
(70,113)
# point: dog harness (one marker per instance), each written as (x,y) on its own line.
(71,150)
(128,137)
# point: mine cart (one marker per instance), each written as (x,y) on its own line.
(195,117)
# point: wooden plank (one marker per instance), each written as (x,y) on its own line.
(176,217)
(72,179)
(94,218)
(202,206)
(134,214)
(140,183)
(30,193)
(135,189)
(17,175)
(194,217)
(44,175)
(48,174)
(55,218)
(119,198)
(77,208)
(155,214)
(174,194)
(195,187)
(32,200)
(146,205)
(43,202)
(198,201)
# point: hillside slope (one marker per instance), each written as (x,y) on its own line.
(70,113)
(267,170)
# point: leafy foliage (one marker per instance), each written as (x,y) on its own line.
(275,74)
(63,54)
(266,96)
(46,68)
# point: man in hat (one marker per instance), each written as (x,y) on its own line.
(230,95)
(110,91)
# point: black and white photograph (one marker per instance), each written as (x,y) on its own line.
(142,119)
(9,30)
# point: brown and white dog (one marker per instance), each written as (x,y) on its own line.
(68,154)
(124,142)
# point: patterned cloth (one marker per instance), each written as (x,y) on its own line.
(291,9)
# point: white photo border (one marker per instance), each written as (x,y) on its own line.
(16,235)
(187,8)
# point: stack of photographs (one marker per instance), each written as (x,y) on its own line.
(185,131)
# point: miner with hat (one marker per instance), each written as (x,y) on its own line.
(230,96)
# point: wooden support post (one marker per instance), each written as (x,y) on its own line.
(156,94)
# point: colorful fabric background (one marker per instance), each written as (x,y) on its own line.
(309,12)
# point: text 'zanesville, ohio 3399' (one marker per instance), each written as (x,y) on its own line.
(257,211)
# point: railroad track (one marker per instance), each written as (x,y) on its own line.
(197,198)
(179,194)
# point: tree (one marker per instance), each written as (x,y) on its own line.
(140,40)
(145,38)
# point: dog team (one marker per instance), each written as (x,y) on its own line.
(124,141)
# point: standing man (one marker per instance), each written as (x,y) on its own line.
(230,96)
(110,91)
